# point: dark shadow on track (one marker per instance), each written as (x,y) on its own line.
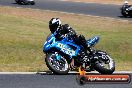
(17,4)
(124,17)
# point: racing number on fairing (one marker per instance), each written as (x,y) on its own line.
(66,50)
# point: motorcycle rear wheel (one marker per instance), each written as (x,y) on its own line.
(105,70)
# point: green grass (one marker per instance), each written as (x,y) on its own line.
(21,43)
(23,31)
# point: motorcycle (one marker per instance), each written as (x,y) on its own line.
(126,10)
(25,2)
(60,54)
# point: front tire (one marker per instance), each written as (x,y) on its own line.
(124,14)
(54,65)
(18,1)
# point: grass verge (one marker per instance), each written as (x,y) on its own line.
(23,31)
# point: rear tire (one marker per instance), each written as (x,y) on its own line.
(101,69)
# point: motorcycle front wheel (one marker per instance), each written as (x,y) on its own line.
(59,67)
(18,1)
(124,14)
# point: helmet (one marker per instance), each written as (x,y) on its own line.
(126,2)
(54,23)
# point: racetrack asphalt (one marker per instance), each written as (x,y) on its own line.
(95,9)
(51,81)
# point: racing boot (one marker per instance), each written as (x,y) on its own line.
(83,56)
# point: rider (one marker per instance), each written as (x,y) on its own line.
(65,30)
(129,6)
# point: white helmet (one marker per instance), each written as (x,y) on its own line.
(126,2)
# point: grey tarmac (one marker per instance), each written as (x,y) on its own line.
(95,9)
(49,80)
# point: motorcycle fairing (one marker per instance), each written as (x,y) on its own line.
(64,46)
(91,42)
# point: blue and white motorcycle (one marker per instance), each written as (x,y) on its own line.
(60,54)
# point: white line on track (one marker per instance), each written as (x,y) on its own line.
(72,72)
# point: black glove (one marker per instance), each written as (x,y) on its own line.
(82,41)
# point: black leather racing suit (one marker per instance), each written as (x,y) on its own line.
(129,7)
(67,30)
(79,40)
(64,30)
